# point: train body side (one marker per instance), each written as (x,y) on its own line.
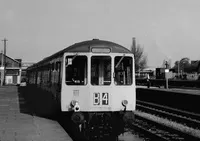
(44,85)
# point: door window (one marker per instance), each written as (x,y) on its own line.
(101,70)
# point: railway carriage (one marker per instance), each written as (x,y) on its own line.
(92,82)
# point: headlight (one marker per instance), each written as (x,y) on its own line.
(75,105)
(76,108)
(124,103)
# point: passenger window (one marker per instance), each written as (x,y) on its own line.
(123,70)
(101,70)
(76,70)
(58,64)
(52,67)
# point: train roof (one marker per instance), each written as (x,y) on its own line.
(85,46)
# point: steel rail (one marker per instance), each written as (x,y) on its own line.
(157,131)
(183,117)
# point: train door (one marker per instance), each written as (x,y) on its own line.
(100,90)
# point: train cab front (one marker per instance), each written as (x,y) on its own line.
(98,90)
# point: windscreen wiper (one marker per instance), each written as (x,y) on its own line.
(74,56)
(120,61)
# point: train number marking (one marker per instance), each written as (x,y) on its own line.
(96,98)
(102,99)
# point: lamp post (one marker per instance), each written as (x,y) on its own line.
(166,74)
(166,77)
(2,68)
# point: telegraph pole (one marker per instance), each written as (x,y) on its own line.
(4,79)
(2,68)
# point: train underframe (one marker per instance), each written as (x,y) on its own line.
(100,125)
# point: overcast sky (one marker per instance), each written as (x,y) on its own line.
(167,29)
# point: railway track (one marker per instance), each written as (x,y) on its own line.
(156,130)
(184,117)
(159,132)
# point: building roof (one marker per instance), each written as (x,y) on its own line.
(9,58)
(149,69)
(26,64)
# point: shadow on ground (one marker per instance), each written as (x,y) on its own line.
(39,103)
(23,104)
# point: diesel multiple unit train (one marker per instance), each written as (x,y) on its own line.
(92,82)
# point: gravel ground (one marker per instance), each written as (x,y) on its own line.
(171,124)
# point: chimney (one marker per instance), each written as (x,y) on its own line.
(133,46)
(133,41)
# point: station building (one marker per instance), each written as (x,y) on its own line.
(12,71)
(143,73)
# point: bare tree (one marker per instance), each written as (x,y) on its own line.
(139,56)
